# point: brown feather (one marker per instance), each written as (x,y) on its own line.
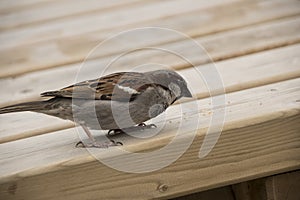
(110,87)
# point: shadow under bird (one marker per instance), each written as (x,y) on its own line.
(114,102)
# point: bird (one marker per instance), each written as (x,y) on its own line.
(115,102)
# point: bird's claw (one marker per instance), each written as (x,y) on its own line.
(141,126)
(147,126)
(115,132)
(152,126)
(110,143)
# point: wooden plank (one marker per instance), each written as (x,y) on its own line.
(53,10)
(79,25)
(237,74)
(15,4)
(281,32)
(19,126)
(62,51)
(219,46)
(260,138)
(35,83)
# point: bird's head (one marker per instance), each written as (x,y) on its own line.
(173,81)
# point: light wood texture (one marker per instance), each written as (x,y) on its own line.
(118,17)
(253,45)
(253,70)
(206,20)
(15,4)
(31,85)
(257,141)
(52,10)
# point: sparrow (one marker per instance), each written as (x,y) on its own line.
(115,102)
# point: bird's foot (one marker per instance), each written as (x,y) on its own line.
(115,132)
(110,143)
(145,126)
(139,127)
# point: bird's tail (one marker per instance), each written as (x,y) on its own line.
(35,106)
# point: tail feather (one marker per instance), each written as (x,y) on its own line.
(28,106)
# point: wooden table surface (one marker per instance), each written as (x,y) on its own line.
(252,44)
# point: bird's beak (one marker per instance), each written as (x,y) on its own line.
(187,93)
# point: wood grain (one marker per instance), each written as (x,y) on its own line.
(79,25)
(257,141)
(12,18)
(73,46)
(15,4)
(31,85)
(250,47)
(237,74)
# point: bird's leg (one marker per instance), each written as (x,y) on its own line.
(141,126)
(94,143)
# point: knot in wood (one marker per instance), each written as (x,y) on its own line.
(163,188)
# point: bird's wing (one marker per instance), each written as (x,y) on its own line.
(122,86)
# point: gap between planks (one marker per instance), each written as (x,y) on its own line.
(280,37)
(35,83)
(61,52)
(219,46)
(105,21)
(237,74)
(62,10)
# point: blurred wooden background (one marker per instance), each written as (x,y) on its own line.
(255,47)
